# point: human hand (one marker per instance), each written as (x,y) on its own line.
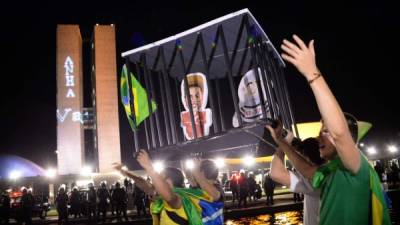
(144,160)
(301,56)
(117,166)
(120,168)
(276,132)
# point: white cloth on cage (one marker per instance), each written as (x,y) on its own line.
(250,99)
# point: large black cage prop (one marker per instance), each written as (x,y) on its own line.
(223,50)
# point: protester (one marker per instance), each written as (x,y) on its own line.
(347,179)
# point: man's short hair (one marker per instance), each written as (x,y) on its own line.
(353,126)
(175,175)
(310,149)
(210,169)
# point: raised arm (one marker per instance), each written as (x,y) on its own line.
(139,181)
(303,58)
(301,164)
(279,172)
(204,183)
(160,184)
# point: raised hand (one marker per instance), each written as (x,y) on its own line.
(301,56)
(144,160)
(276,133)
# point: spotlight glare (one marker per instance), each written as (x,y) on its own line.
(158,166)
(392,149)
(50,173)
(189,164)
(371,150)
(14,175)
(86,171)
(248,160)
(220,162)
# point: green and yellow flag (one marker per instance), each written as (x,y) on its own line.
(379,210)
(140,101)
(380,213)
(190,201)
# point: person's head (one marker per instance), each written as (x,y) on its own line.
(209,169)
(252,88)
(309,148)
(61,190)
(250,175)
(103,184)
(196,96)
(24,190)
(198,91)
(326,143)
(174,177)
(117,185)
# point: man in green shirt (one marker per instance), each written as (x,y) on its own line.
(346,180)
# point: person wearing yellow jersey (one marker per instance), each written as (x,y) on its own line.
(174,204)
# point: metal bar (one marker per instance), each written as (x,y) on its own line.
(210,88)
(150,110)
(289,104)
(171,111)
(258,81)
(230,75)
(265,61)
(165,109)
(163,100)
(156,115)
(238,40)
(255,64)
(219,105)
(214,48)
(146,125)
(131,103)
(187,92)
(277,85)
(243,60)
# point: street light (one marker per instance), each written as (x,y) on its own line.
(50,173)
(220,163)
(14,175)
(362,144)
(371,150)
(158,166)
(189,164)
(392,149)
(86,171)
(248,160)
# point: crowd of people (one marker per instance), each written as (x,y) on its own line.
(96,203)
(338,183)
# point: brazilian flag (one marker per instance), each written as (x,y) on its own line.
(380,213)
(140,101)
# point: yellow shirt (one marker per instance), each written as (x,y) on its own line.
(170,216)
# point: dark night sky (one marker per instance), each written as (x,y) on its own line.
(357,51)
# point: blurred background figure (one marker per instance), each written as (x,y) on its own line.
(269,187)
(62,205)
(104,198)
(120,198)
(75,202)
(5,208)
